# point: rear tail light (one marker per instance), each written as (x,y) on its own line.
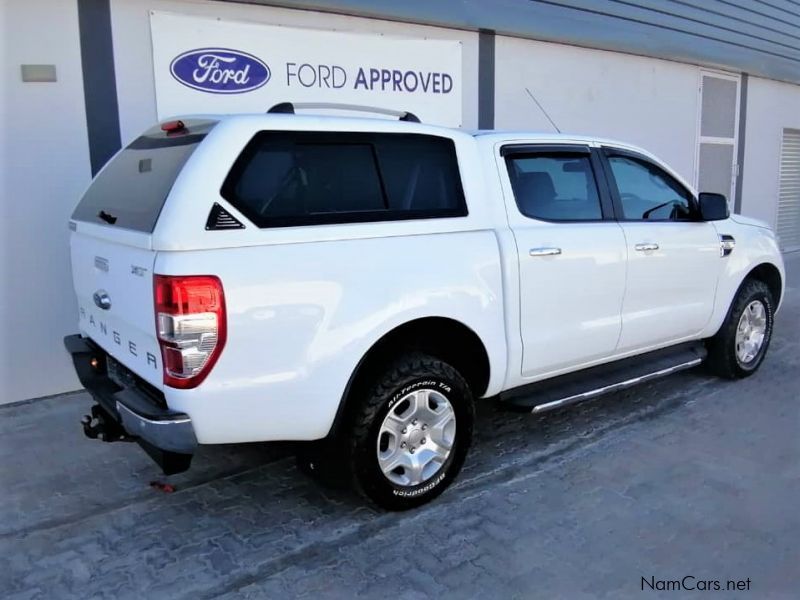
(191,327)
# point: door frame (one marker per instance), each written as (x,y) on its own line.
(700,139)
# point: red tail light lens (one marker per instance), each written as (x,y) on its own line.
(191,326)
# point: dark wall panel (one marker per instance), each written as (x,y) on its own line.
(99,81)
(486,80)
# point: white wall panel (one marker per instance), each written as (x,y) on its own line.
(771,107)
(648,102)
(45,167)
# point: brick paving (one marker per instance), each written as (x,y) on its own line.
(690,475)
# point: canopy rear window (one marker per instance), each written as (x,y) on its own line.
(131,190)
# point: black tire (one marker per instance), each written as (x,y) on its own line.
(722,356)
(412,371)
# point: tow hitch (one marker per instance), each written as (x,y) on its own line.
(101,426)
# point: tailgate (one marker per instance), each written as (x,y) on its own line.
(114,286)
(112,265)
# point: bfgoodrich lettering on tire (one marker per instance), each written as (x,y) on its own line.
(411,433)
(740,345)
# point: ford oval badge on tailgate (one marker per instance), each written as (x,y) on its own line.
(102,299)
(220,70)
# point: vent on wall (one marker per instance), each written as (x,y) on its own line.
(220,219)
(788,221)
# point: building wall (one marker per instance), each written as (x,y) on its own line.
(771,107)
(44,151)
(45,167)
(754,36)
(648,102)
(134,60)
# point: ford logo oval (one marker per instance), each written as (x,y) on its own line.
(220,70)
(102,299)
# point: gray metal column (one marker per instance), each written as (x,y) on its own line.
(99,81)
(737,202)
(486,59)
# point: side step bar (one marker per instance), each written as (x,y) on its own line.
(590,383)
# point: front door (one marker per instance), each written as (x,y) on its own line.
(673,258)
(571,257)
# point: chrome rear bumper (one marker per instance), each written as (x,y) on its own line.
(173,433)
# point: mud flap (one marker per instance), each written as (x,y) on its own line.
(171,463)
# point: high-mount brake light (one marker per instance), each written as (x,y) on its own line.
(173,126)
(191,326)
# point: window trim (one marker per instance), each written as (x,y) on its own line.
(342,217)
(512,151)
(608,152)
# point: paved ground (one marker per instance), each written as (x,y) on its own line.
(689,476)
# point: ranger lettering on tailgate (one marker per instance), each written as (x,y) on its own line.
(102,328)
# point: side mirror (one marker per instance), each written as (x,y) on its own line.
(713,207)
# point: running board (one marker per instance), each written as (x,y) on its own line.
(603,379)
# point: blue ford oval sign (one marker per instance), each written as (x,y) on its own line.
(220,70)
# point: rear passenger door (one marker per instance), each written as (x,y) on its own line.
(571,256)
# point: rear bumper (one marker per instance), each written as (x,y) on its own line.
(173,432)
(159,430)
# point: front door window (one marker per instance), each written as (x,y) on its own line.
(647,193)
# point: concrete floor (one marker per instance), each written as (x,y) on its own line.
(690,476)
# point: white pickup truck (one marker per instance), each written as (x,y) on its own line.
(358,283)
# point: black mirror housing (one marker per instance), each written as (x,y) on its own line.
(713,207)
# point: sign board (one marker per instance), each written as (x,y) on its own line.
(204,65)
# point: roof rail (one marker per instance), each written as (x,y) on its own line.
(288,108)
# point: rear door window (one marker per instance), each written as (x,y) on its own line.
(301,178)
(131,190)
(555,187)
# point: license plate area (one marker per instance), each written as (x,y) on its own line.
(118,373)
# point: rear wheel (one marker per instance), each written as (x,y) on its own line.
(740,345)
(410,434)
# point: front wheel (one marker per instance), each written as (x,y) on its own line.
(740,345)
(411,433)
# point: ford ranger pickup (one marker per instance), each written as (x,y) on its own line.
(357,284)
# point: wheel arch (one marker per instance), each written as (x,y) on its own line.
(442,337)
(770,275)
(765,271)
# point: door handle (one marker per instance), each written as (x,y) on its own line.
(646,247)
(545,251)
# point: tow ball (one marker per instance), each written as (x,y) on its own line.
(101,426)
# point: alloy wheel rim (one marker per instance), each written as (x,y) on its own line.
(751,332)
(416,437)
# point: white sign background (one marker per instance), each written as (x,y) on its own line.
(300,59)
